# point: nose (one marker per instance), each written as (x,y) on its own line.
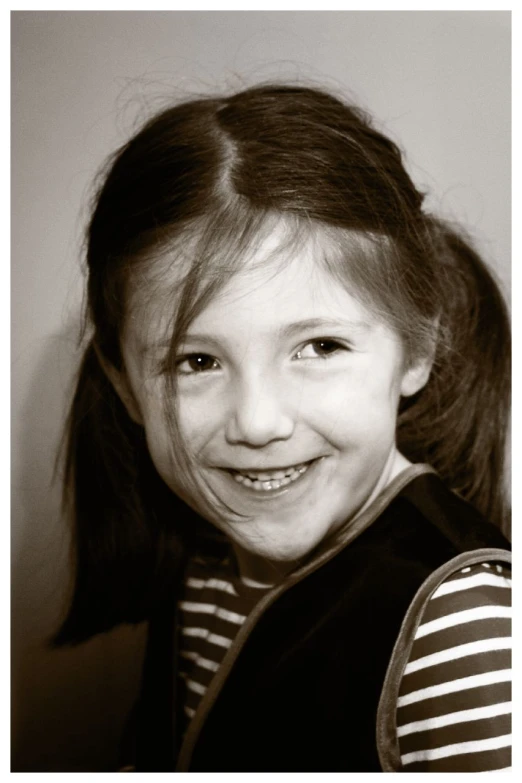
(260,413)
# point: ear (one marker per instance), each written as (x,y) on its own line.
(122,387)
(416,376)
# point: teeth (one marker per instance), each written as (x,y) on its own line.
(270,476)
(278,474)
(265,482)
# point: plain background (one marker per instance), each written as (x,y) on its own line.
(437,82)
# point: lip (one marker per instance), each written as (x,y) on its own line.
(265,469)
(242,491)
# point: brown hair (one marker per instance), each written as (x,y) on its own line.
(218,170)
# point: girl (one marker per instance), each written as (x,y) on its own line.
(286,438)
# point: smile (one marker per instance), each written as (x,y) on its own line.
(269,481)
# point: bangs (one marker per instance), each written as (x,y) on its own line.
(374,269)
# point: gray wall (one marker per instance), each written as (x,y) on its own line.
(439,82)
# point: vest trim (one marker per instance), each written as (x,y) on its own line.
(386,726)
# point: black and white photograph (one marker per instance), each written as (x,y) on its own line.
(260,391)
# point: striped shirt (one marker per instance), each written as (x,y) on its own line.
(454,707)
(453,711)
(212,611)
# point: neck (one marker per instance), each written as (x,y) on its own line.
(256,571)
(395,464)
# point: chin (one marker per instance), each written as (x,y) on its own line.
(277,546)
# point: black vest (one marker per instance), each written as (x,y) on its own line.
(303,693)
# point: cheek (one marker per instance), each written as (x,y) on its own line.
(200,418)
(368,389)
(159,442)
(357,402)
(151,399)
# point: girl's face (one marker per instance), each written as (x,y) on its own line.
(288,394)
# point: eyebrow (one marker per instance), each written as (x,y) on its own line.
(290,330)
(309,324)
(285,331)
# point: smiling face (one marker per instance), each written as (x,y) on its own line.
(288,389)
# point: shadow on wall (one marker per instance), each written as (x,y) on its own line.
(68,706)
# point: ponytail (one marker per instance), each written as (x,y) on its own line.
(458,422)
(125,554)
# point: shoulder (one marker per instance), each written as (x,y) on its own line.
(446,699)
(454,518)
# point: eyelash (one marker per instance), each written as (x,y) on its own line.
(337,346)
(328,340)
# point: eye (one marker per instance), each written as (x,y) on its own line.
(320,349)
(195,363)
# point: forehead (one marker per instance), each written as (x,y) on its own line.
(276,287)
(285,275)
